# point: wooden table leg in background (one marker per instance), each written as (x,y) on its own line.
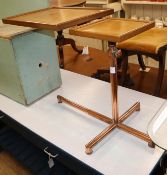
(62,41)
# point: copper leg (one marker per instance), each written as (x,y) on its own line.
(124,67)
(135,107)
(161,70)
(86,110)
(141,62)
(136,133)
(98,138)
(73,45)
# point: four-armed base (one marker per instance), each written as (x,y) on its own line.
(117,121)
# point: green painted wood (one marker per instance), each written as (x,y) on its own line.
(14,7)
(30,65)
(38,63)
(9,79)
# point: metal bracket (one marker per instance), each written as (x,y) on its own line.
(49,154)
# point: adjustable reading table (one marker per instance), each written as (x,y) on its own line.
(57,19)
(60,122)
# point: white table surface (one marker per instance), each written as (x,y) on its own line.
(158,127)
(119,153)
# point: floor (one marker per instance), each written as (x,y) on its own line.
(87,65)
(9,166)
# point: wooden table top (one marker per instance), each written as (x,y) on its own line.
(57,18)
(112,29)
(67,3)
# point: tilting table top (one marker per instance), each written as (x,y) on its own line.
(112,29)
(57,18)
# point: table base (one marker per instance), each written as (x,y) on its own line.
(117,121)
(112,124)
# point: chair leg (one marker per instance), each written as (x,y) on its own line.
(59,42)
(161,56)
(72,43)
(141,62)
(124,67)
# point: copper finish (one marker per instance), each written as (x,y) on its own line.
(117,121)
(86,110)
(116,29)
(98,138)
(114,82)
(134,132)
(138,134)
(135,107)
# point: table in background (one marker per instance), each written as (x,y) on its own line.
(116,30)
(61,40)
(57,19)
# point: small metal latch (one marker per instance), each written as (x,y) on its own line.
(50,161)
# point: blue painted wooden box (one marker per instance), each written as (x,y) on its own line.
(29,66)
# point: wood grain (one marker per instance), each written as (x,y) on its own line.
(9,166)
(57,18)
(8,31)
(116,29)
(66,3)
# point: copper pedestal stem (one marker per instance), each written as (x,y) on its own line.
(114,83)
(116,122)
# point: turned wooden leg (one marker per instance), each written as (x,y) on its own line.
(135,107)
(61,41)
(72,43)
(158,85)
(98,138)
(116,121)
(124,67)
(141,62)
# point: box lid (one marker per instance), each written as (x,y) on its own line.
(8,31)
